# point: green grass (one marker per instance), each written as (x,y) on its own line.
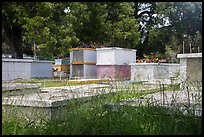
(122,94)
(99,121)
(47,82)
(92,118)
(55,82)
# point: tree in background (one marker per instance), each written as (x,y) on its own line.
(123,25)
(167,22)
(110,24)
(149,27)
(185,22)
(44,24)
(50,30)
(12,20)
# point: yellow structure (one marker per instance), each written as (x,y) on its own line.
(87,81)
(61,67)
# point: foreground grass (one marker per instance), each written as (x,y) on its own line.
(98,120)
(93,118)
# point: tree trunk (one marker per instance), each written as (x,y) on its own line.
(15,39)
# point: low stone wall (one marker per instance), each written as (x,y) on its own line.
(155,72)
(25,69)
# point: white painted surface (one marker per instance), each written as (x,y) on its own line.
(142,72)
(25,69)
(83,56)
(190,70)
(71,57)
(77,71)
(41,69)
(190,55)
(71,69)
(105,57)
(14,86)
(12,70)
(125,57)
(85,71)
(56,96)
(153,72)
(90,71)
(77,56)
(115,56)
(89,55)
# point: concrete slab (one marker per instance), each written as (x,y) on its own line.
(190,55)
(16,86)
(50,103)
(55,96)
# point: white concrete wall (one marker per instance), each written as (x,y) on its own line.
(76,71)
(142,72)
(76,56)
(154,72)
(191,66)
(105,57)
(71,57)
(89,55)
(190,70)
(83,71)
(161,71)
(174,70)
(90,71)
(70,69)
(21,68)
(124,56)
(41,70)
(15,68)
(83,56)
(115,56)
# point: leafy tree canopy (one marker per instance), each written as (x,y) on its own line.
(54,27)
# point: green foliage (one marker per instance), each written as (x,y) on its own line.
(102,23)
(110,24)
(51,32)
(123,25)
(185,19)
(98,121)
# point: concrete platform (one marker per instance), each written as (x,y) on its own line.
(55,96)
(17,86)
(50,103)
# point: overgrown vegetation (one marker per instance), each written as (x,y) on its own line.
(95,117)
(98,121)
